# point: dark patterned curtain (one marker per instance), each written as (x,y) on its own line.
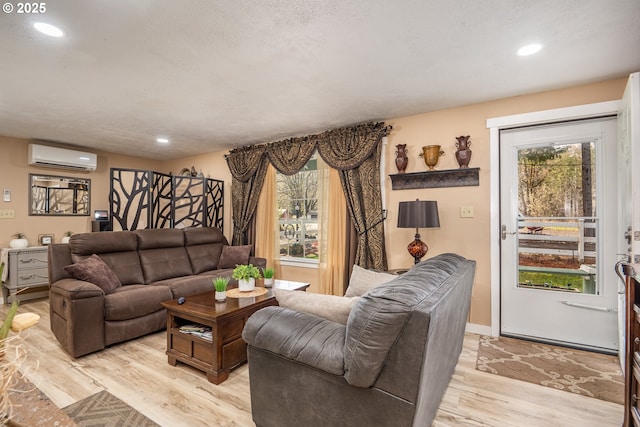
(248,166)
(289,156)
(355,152)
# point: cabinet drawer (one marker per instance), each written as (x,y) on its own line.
(32,276)
(32,260)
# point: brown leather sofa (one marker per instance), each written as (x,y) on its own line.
(390,365)
(152,266)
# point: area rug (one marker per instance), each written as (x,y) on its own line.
(31,407)
(576,371)
(105,410)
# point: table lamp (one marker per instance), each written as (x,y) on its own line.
(418,214)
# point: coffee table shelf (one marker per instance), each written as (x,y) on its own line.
(226,319)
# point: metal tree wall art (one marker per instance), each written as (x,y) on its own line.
(148,199)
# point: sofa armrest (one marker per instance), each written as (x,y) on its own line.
(298,336)
(76,311)
(76,289)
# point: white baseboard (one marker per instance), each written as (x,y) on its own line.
(478,329)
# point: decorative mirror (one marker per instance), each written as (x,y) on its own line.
(59,195)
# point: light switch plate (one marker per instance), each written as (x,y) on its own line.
(7,195)
(466,211)
(7,213)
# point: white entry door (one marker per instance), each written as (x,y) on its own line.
(558,222)
(628,234)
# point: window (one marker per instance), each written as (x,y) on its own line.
(298,213)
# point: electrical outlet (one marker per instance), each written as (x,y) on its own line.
(466,211)
(7,213)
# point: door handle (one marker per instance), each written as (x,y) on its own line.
(505,232)
(622,269)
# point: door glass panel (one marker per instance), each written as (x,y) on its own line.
(557,223)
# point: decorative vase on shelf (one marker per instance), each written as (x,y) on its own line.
(221,295)
(431,155)
(268,282)
(401,157)
(463,155)
(19,243)
(246,285)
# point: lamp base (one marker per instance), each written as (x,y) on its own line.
(417,249)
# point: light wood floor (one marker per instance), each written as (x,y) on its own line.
(138,373)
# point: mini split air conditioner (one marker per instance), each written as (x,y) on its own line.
(52,157)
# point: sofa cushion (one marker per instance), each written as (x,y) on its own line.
(204,257)
(164,263)
(187,285)
(117,249)
(363,280)
(154,238)
(132,301)
(381,314)
(330,307)
(85,244)
(234,255)
(203,235)
(93,269)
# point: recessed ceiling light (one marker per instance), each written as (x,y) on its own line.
(529,49)
(48,29)
(162,140)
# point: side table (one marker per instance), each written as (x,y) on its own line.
(27,273)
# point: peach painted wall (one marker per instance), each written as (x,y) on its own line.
(14,175)
(469,237)
(466,236)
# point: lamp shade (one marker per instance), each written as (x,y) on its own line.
(418,214)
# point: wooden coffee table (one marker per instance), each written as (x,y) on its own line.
(226,319)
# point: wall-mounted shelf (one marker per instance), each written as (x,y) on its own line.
(465,177)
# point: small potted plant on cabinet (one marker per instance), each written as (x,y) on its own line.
(268,274)
(246,275)
(220,285)
(67,236)
(19,241)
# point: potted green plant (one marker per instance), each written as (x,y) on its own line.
(220,285)
(268,274)
(67,236)
(246,275)
(19,241)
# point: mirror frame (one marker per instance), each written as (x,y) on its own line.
(86,181)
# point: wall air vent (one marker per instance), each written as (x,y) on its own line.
(61,158)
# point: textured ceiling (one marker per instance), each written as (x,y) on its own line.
(211,75)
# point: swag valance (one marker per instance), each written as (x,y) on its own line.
(354,151)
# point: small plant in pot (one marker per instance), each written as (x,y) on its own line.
(268,274)
(220,285)
(66,237)
(246,275)
(19,241)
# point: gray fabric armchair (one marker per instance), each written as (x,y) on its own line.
(389,366)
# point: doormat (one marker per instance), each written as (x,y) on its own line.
(105,410)
(576,371)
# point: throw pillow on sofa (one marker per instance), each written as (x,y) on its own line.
(363,280)
(93,269)
(234,255)
(330,307)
